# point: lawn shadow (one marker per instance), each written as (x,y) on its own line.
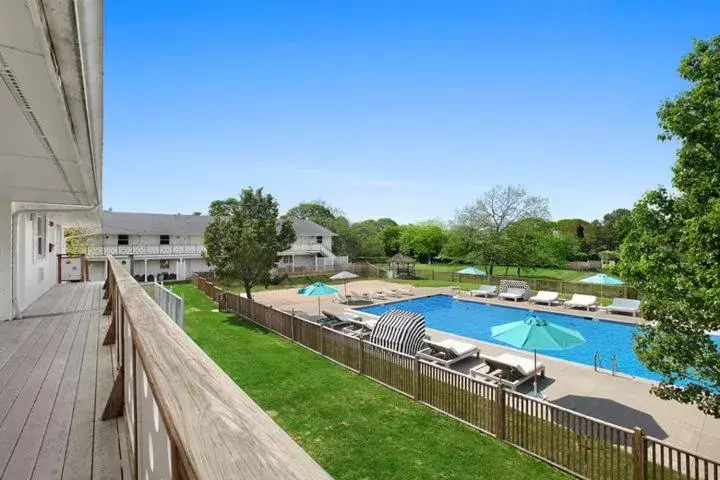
(241,322)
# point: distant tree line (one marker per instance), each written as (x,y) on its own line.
(506,226)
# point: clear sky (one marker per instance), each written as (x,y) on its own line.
(402,109)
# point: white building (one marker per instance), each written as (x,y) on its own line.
(51,105)
(311,250)
(153,246)
(167,247)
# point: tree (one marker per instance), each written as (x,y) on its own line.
(243,239)
(317,211)
(460,242)
(422,241)
(615,227)
(672,252)
(222,208)
(391,239)
(76,240)
(491,215)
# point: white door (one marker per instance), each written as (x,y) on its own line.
(71,269)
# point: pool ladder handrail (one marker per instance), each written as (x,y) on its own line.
(597,360)
(615,365)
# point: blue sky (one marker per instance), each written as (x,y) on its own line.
(385,108)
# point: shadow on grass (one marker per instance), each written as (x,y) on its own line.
(241,322)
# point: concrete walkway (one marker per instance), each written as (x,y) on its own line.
(619,400)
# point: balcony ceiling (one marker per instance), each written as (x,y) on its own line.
(50,105)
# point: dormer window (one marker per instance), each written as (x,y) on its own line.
(164,239)
(123,240)
(318,240)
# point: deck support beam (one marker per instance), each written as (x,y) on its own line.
(115,402)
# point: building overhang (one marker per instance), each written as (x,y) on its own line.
(51,103)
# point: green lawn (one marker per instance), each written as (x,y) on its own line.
(353,427)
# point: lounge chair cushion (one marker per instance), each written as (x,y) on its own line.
(457,347)
(522,364)
(513,293)
(624,304)
(579,299)
(544,296)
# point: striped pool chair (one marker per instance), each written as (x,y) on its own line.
(400,331)
(507,284)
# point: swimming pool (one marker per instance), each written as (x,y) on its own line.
(474,320)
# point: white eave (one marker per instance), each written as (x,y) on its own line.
(51,102)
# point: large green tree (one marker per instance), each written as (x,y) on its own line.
(422,241)
(242,241)
(491,215)
(672,252)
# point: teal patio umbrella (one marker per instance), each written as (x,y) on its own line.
(537,334)
(602,279)
(317,289)
(471,271)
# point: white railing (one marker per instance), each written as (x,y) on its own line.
(120,250)
(171,304)
(304,249)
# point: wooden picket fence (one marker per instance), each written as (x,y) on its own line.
(583,446)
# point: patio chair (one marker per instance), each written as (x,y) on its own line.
(448,351)
(392,293)
(360,328)
(507,369)
(377,296)
(544,296)
(340,320)
(359,297)
(581,301)
(513,293)
(309,317)
(624,305)
(337,298)
(484,291)
(406,291)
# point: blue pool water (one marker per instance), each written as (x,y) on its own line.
(474,320)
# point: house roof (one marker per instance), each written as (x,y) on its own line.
(310,228)
(131,223)
(401,258)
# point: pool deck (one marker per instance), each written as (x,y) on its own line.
(617,399)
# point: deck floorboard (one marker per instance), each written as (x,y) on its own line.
(55,375)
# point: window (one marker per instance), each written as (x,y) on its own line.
(164,264)
(40,237)
(286,259)
(123,240)
(318,239)
(164,239)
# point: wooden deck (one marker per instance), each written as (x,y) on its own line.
(55,376)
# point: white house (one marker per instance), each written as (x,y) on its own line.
(153,246)
(51,105)
(311,250)
(157,246)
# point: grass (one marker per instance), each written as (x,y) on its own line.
(353,427)
(292,282)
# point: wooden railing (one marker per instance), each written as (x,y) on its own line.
(583,446)
(185,418)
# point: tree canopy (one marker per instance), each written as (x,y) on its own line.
(672,251)
(244,237)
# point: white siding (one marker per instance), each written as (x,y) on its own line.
(5,261)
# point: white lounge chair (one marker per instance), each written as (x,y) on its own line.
(581,301)
(484,291)
(624,305)
(359,328)
(544,296)
(448,351)
(377,296)
(513,293)
(359,297)
(507,369)
(406,291)
(337,298)
(392,293)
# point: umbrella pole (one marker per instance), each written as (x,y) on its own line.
(346,289)
(319,311)
(535,373)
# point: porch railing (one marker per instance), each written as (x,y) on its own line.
(171,304)
(583,446)
(184,417)
(121,250)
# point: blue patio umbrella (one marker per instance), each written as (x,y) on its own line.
(317,289)
(471,271)
(535,333)
(602,279)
